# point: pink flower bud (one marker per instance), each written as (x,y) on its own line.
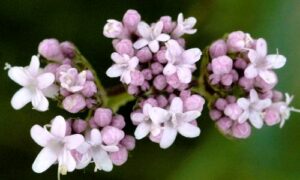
(92,123)
(52,68)
(160,82)
(137,78)
(90,103)
(132,90)
(271,116)
(227,79)
(240,64)
(74,103)
(113,29)
(170,89)
(51,50)
(215,114)
(147,73)
(68,127)
(89,89)
(277,96)
(264,86)
(168,25)
(120,157)
(118,121)
(79,126)
(89,75)
(266,95)
(220,104)
(185,94)
(64,92)
(246,83)
(145,86)
(156,68)
(144,55)
(68,49)
(111,135)
(214,79)
(128,142)
(171,97)
(233,111)
(218,48)
(125,47)
(231,99)
(181,42)
(221,65)
(235,75)
(160,56)
(236,41)
(150,101)
(162,101)
(241,131)
(194,102)
(224,125)
(131,19)
(173,80)
(103,116)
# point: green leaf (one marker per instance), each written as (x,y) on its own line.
(119,100)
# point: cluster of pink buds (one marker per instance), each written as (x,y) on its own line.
(242,74)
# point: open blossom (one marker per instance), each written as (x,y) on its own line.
(72,81)
(180,61)
(184,26)
(123,67)
(151,36)
(56,147)
(37,85)
(253,108)
(261,63)
(112,28)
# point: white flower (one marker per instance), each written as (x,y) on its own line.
(150,121)
(94,149)
(261,63)
(71,80)
(181,61)
(150,36)
(36,85)
(57,147)
(123,67)
(184,26)
(113,29)
(252,109)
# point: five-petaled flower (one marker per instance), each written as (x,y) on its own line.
(72,81)
(184,26)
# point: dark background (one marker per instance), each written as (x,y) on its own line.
(271,153)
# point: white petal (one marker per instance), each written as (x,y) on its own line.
(21,98)
(95,137)
(34,65)
(262,104)
(268,76)
(154,46)
(243,103)
(126,77)
(176,105)
(188,116)
(191,31)
(188,130)
(117,58)
(276,60)
(40,135)
(256,120)
(44,160)
(158,27)
(251,72)
(102,160)
(70,161)
(190,22)
(140,43)
(58,126)
(173,49)
(180,18)
(137,117)
(19,75)
(51,91)
(159,115)
(142,130)
(132,63)
(261,47)
(146,109)
(144,29)
(243,117)
(169,69)
(191,56)
(163,37)
(45,80)
(115,71)
(168,137)
(253,56)
(73,141)
(111,148)
(39,101)
(253,96)
(184,75)
(84,161)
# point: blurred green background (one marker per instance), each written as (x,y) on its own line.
(271,153)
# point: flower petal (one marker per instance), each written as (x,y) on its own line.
(117,58)
(111,148)
(58,126)
(144,29)
(256,120)
(243,117)
(126,77)
(276,60)
(44,160)
(45,80)
(158,27)
(251,72)
(261,47)
(188,116)
(268,76)
(19,75)
(73,141)
(51,91)
(253,96)
(191,56)
(140,43)
(142,130)
(168,137)
(176,105)
(70,162)
(159,115)
(21,98)
(243,103)
(154,46)
(34,65)
(40,135)
(39,101)
(173,49)
(189,130)
(262,104)
(169,69)
(132,63)
(115,70)
(163,37)
(253,56)
(102,159)
(184,75)
(95,137)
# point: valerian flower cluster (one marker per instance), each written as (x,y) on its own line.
(153,63)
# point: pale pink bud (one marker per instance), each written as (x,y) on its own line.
(236,41)
(160,56)
(168,25)
(145,86)
(113,29)
(233,111)
(231,99)
(240,64)
(266,95)
(215,114)
(125,47)
(92,123)
(137,78)
(64,92)
(68,49)
(277,96)
(118,121)
(173,80)
(246,83)
(171,97)
(89,89)
(128,142)
(156,68)
(74,103)
(235,75)
(79,126)
(103,116)
(220,104)
(89,75)
(90,103)
(132,90)
(218,48)
(147,74)
(181,42)
(194,102)
(227,79)
(185,94)
(160,82)
(131,19)
(112,135)
(271,116)
(136,116)
(224,125)
(52,68)
(144,55)
(170,89)
(150,101)
(221,65)
(241,131)
(120,157)
(162,101)
(51,50)
(214,79)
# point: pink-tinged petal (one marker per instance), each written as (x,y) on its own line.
(44,160)
(126,77)
(253,56)
(146,109)
(117,58)
(154,46)
(268,76)
(163,37)
(276,61)
(73,141)
(115,70)
(173,49)
(191,56)
(51,91)
(169,69)
(144,29)
(184,75)
(191,31)
(243,103)
(188,116)
(188,130)
(45,80)
(111,148)
(140,43)
(21,98)
(253,96)
(95,137)
(180,18)
(75,88)
(34,65)
(40,135)
(39,101)
(261,47)
(70,162)
(176,105)
(190,22)
(19,75)
(256,120)
(168,137)
(142,130)
(263,104)
(102,159)
(251,72)
(81,78)
(137,117)
(158,27)
(243,117)
(84,161)
(58,126)
(159,115)
(133,62)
